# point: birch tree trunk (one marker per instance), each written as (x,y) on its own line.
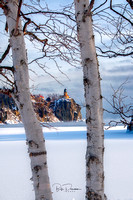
(93,98)
(34,134)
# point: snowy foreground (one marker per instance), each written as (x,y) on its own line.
(66,148)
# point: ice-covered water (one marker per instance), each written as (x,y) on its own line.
(66,148)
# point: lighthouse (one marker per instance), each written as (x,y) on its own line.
(65,94)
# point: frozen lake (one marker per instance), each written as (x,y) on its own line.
(66,147)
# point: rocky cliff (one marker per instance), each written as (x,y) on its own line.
(67,110)
(53,109)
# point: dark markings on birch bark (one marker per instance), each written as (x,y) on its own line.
(15,33)
(21,106)
(43,198)
(37,185)
(32,144)
(101,96)
(88,120)
(81,45)
(89,137)
(84,5)
(83,19)
(88,107)
(93,37)
(103,149)
(16,91)
(37,153)
(37,168)
(86,81)
(91,159)
(92,195)
(88,175)
(78,28)
(78,13)
(87,60)
(22,62)
(103,177)
(99,77)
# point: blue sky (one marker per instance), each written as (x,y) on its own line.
(113,72)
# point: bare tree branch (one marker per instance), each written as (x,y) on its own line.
(130,3)
(43,68)
(111,7)
(3,74)
(27,23)
(112,54)
(90,7)
(51,12)
(100,6)
(119,106)
(5,53)
(7,68)
(6,27)
(44,41)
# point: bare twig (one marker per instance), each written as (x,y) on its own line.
(43,68)
(112,54)
(51,12)
(130,3)
(90,7)
(119,107)
(6,78)
(44,41)
(6,27)
(111,7)
(7,68)
(5,53)
(27,23)
(100,6)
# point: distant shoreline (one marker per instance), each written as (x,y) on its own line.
(62,124)
(48,124)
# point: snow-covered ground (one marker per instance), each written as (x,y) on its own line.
(66,148)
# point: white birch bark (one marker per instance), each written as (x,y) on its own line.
(34,134)
(93,98)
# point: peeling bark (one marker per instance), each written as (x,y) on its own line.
(34,134)
(94,110)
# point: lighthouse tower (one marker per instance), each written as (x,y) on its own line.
(65,94)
